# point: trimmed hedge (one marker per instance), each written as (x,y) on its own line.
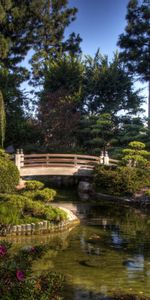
(9,175)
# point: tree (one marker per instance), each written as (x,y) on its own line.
(58,121)
(37,24)
(53,18)
(59,102)
(130,128)
(2,120)
(108,88)
(135,42)
(65,72)
(96,133)
(135,155)
(103,132)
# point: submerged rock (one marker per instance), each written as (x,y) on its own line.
(87,263)
(94,239)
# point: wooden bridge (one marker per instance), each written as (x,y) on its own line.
(58,164)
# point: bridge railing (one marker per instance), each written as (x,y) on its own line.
(55,160)
(60,160)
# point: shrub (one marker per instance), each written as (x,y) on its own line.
(45,195)
(147,193)
(120,180)
(15,272)
(135,155)
(34,185)
(18,209)
(9,174)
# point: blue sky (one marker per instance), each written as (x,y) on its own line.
(99,23)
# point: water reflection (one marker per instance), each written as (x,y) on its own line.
(110,250)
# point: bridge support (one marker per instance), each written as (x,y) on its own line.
(104,158)
(19,159)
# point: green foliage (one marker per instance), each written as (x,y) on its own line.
(135,156)
(44,195)
(135,40)
(119,180)
(34,185)
(147,193)
(2,120)
(9,174)
(15,272)
(19,209)
(24,26)
(50,36)
(108,87)
(131,129)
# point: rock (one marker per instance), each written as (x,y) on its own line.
(84,196)
(85,187)
(94,239)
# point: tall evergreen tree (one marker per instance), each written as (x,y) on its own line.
(107,87)
(37,24)
(53,18)
(2,120)
(59,102)
(135,42)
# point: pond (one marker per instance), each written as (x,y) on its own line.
(108,252)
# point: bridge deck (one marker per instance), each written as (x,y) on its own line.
(60,171)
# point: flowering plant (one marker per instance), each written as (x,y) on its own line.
(17,281)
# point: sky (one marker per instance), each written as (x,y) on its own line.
(99,23)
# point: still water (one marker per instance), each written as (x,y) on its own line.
(108,252)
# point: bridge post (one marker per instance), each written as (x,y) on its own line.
(106,158)
(21,158)
(18,159)
(75,160)
(101,158)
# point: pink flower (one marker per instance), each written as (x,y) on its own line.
(33,249)
(3,250)
(20,275)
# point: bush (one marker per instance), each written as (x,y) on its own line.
(18,209)
(44,195)
(15,272)
(9,174)
(120,180)
(135,155)
(34,185)
(147,193)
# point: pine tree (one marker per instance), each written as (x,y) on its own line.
(53,18)
(135,42)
